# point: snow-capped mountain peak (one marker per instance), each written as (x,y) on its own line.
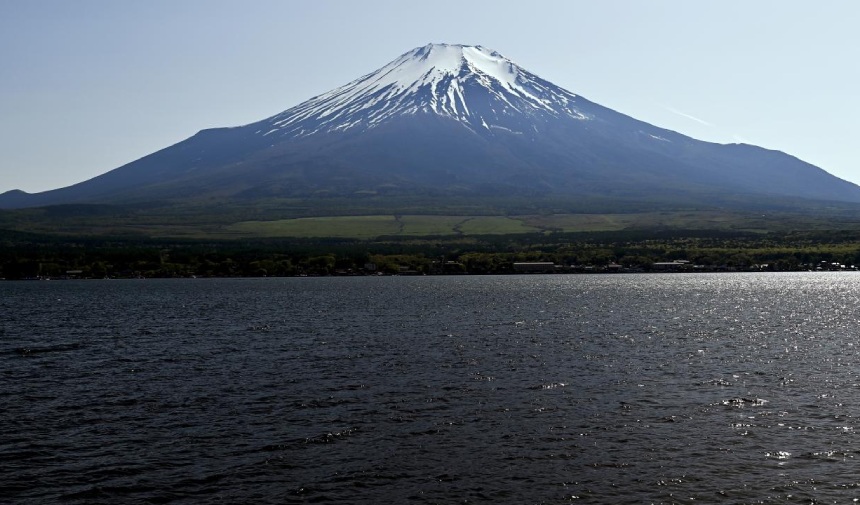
(443,124)
(410,71)
(471,84)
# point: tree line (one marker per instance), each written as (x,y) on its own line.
(24,256)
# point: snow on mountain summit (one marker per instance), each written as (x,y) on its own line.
(471,84)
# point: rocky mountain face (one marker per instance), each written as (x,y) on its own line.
(450,120)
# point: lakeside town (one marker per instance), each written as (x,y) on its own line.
(456,268)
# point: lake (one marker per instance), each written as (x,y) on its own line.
(701,388)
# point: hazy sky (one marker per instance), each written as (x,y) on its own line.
(89,85)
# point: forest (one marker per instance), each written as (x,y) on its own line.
(32,256)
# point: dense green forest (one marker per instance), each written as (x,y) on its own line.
(29,256)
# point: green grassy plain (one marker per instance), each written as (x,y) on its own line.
(368,227)
(290,220)
(359,227)
(374,226)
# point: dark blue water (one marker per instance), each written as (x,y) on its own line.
(715,388)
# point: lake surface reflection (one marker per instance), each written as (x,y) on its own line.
(715,388)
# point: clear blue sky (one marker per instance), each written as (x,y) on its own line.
(89,85)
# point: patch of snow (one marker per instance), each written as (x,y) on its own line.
(506,129)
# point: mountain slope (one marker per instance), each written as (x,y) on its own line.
(445,120)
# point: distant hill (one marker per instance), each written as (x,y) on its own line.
(451,121)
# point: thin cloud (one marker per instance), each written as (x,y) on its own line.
(693,118)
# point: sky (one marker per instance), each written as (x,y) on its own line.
(89,85)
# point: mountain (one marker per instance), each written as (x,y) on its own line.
(451,121)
